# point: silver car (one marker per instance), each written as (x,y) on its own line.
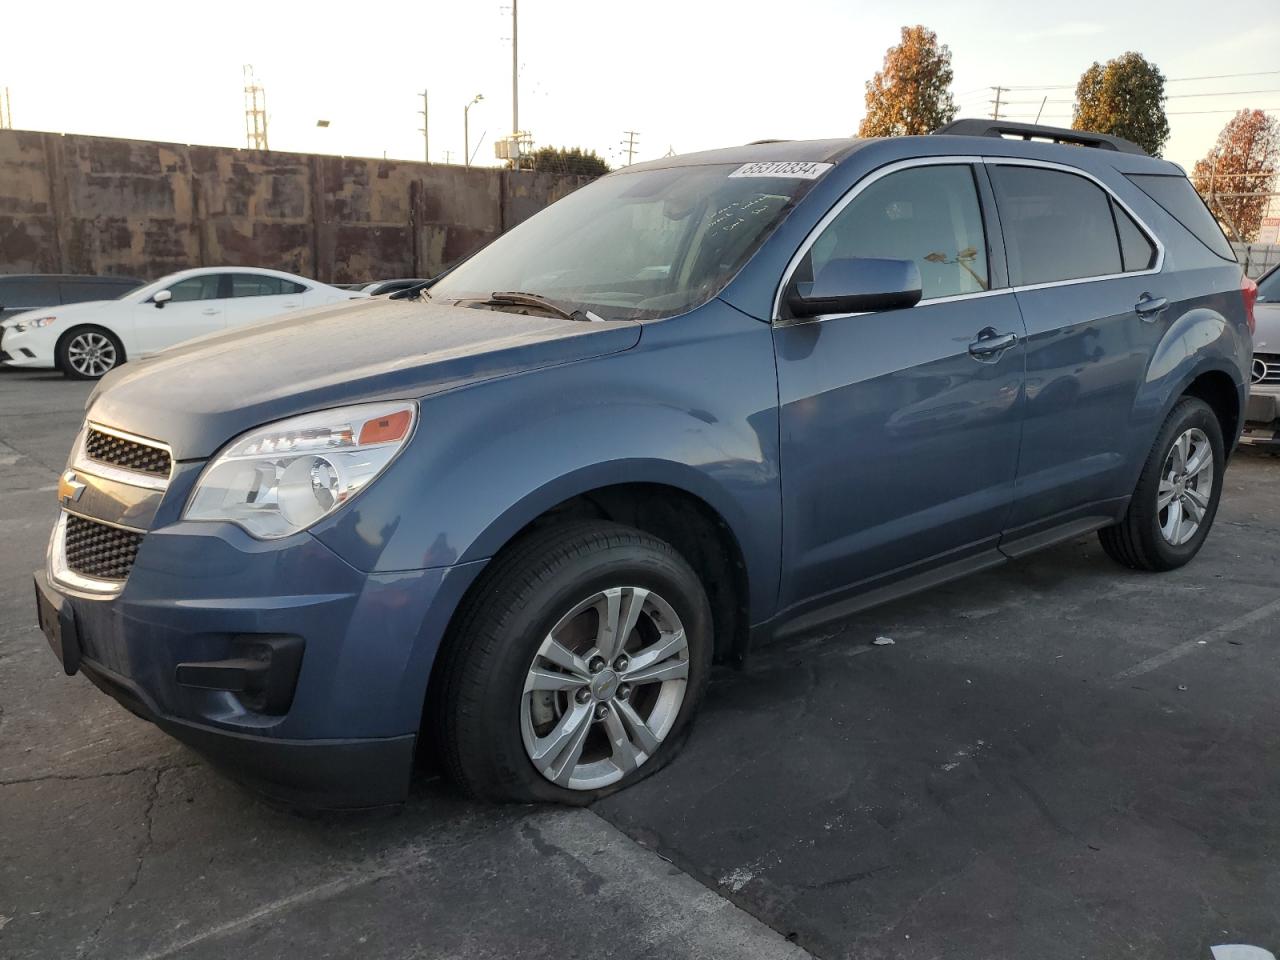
(1263,413)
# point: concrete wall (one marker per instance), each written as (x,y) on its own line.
(79,204)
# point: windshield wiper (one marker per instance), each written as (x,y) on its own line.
(516,298)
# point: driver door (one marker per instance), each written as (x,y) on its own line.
(197,308)
(900,429)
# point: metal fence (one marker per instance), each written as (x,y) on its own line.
(1257,258)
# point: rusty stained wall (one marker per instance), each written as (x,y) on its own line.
(79,204)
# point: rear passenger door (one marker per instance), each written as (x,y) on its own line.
(1085,272)
(257,297)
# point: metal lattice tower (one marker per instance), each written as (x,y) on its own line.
(255,111)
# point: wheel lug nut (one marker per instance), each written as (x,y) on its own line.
(624,691)
(583,695)
(602,711)
(596,664)
(621,663)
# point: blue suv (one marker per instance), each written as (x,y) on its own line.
(511,518)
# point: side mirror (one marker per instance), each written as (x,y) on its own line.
(856,285)
(162,297)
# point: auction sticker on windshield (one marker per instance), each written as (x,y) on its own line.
(796,169)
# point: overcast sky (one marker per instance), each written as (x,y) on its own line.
(685,74)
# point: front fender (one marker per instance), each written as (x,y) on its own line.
(693,406)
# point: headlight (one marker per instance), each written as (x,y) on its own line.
(283,477)
(34,324)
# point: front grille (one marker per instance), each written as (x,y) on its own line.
(1266,368)
(100,551)
(127,454)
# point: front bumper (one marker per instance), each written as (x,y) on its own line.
(1262,416)
(16,351)
(197,590)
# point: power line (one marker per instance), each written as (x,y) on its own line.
(1218,76)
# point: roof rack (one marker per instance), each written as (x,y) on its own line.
(1029,131)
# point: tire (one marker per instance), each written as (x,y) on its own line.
(488,721)
(88,353)
(1141,540)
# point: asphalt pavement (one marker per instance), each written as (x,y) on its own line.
(1056,759)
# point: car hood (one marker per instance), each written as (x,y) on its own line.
(199,395)
(72,310)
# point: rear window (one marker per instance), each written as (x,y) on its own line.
(1180,201)
(28,292)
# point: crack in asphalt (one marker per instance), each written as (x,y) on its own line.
(73,777)
(153,795)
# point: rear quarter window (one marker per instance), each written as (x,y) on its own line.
(1179,199)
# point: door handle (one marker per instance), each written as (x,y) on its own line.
(989,343)
(1149,307)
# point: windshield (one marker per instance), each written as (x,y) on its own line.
(633,245)
(1269,287)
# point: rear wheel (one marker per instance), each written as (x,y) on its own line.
(575,667)
(1176,499)
(88,353)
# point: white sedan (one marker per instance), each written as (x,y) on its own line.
(85,340)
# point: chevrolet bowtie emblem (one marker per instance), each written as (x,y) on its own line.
(69,488)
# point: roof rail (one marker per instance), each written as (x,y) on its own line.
(1028,131)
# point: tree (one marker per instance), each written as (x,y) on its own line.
(912,94)
(1124,97)
(1244,161)
(576,161)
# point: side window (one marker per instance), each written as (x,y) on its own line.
(926,214)
(196,288)
(1180,201)
(1057,226)
(24,293)
(1137,252)
(256,285)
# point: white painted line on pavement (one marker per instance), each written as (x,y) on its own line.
(1182,649)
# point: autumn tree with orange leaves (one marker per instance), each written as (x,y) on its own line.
(1240,171)
(912,93)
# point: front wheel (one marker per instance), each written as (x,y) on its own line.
(575,667)
(88,353)
(1177,495)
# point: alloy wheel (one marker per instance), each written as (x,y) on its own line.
(91,354)
(1186,485)
(605,688)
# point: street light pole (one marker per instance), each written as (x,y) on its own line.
(466,129)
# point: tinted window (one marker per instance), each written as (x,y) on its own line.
(1180,201)
(1269,286)
(1136,249)
(1057,226)
(926,214)
(23,293)
(254,285)
(82,290)
(196,288)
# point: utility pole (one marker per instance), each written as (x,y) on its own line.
(6,110)
(255,111)
(515,70)
(995,113)
(630,144)
(426,139)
